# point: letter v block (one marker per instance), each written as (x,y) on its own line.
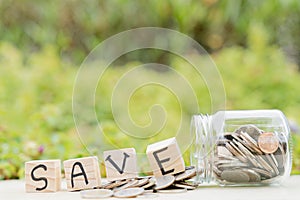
(82,173)
(165,157)
(42,175)
(120,164)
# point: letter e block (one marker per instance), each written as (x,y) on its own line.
(82,173)
(120,164)
(42,175)
(165,157)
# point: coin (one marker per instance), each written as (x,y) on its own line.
(115,184)
(185,186)
(253,176)
(233,149)
(150,184)
(129,192)
(250,129)
(251,143)
(96,193)
(141,182)
(235,176)
(177,190)
(268,142)
(273,165)
(223,151)
(129,184)
(164,181)
(187,174)
(263,172)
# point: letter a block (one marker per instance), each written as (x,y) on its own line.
(42,176)
(120,164)
(82,173)
(165,157)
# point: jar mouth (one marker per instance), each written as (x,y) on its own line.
(202,156)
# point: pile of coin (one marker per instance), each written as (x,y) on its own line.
(145,186)
(249,155)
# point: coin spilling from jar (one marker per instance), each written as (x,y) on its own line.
(144,186)
(249,155)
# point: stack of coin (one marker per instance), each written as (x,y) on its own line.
(176,183)
(249,155)
(144,185)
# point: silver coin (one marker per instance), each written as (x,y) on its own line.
(130,184)
(96,194)
(232,165)
(233,150)
(251,143)
(128,192)
(253,176)
(149,184)
(264,163)
(250,129)
(187,174)
(217,171)
(223,151)
(235,176)
(273,165)
(141,182)
(263,172)
(115,184)
(181,190)
(185,186)
(164,182)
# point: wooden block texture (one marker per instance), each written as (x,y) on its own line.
(82,173)
(165,157)
(120,164)
(43,176)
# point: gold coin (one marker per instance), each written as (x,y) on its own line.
(268,142)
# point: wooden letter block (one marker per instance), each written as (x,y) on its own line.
(165,157)
(42,175)
(120,164)
(82,173)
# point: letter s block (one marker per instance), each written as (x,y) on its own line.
(42,175)
(165,157)
(82,173)
(120,164)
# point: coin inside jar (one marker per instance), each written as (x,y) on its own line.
(268,142)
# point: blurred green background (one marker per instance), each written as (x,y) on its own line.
(255,44)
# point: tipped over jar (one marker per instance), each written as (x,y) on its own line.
(246,147)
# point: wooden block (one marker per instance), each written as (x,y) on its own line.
(42,175)
(120,164)
(165,157)
(82,173)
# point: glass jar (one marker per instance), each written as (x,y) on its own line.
(246,147)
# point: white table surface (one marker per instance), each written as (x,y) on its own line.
(290,189)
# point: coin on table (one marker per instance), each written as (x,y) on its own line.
(268,142)
(235,176)
(131,183)
(185,186)
(187,174)
(129,192)
(150,183)
(177,190)
(141,182)
(164,181)
(115,184)
(96,194)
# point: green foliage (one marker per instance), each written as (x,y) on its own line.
(43,42)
